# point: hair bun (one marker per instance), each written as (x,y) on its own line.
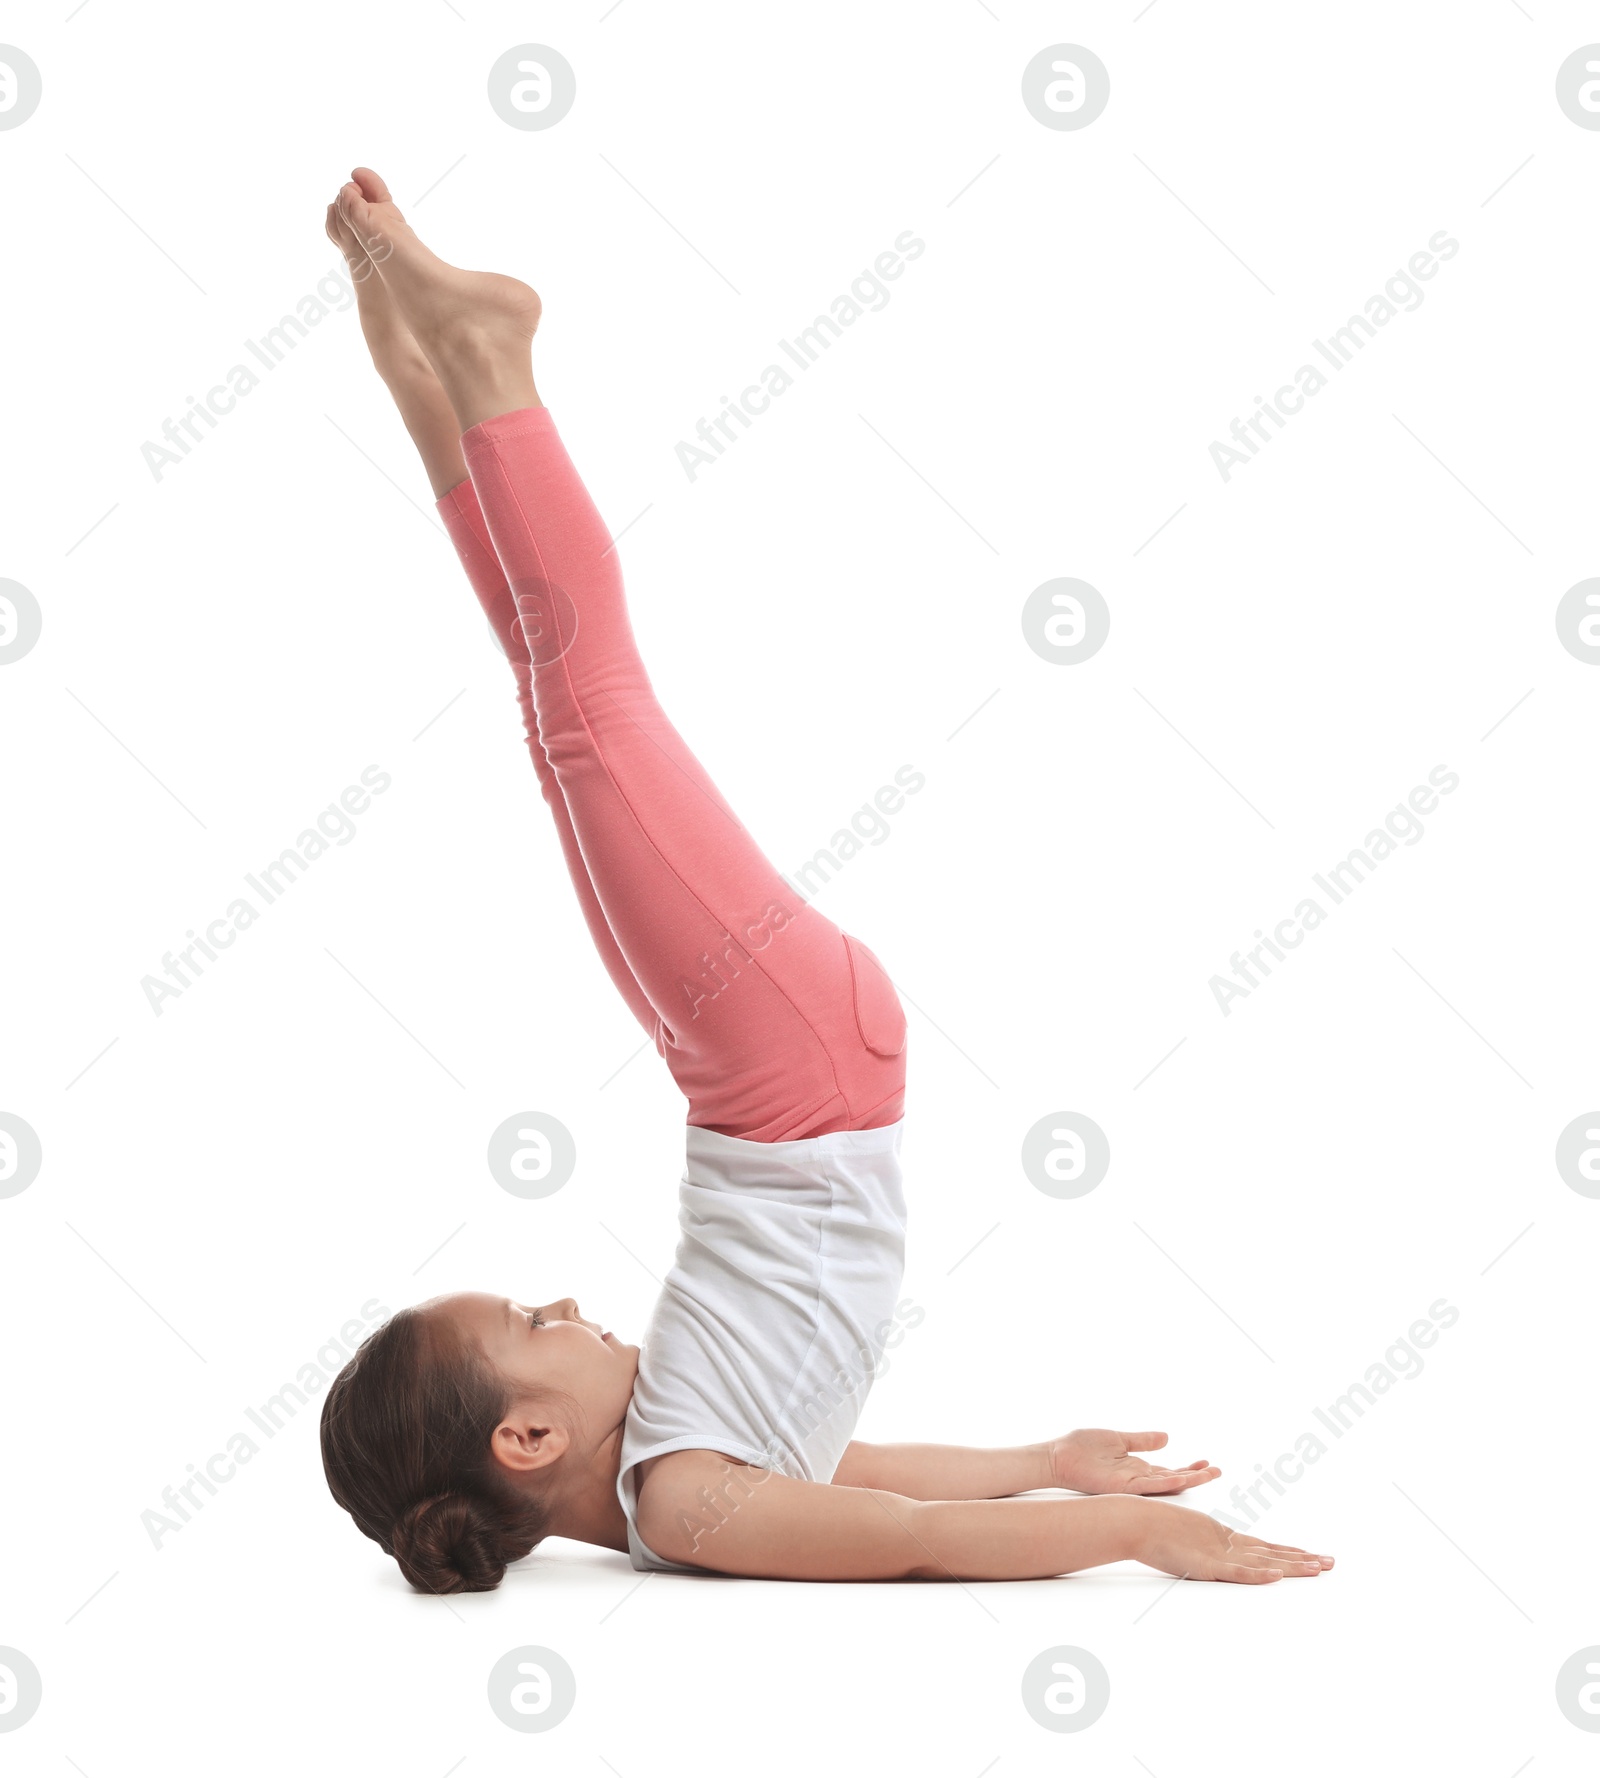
(449,1543)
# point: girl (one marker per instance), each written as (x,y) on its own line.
(469,1427)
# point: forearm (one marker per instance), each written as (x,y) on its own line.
(945,1472)
(1024,1539)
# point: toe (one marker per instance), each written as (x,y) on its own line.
(352,206)
(359,217)
(346,240)
(372,187)
(340,232)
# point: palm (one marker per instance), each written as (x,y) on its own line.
(1102,1462)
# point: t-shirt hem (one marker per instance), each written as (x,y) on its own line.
(880,1140)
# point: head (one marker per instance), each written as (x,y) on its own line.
(465,1427)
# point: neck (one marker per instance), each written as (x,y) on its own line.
(587,1509)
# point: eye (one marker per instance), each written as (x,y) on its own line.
(535,1319)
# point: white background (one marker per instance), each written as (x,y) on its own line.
(227,647)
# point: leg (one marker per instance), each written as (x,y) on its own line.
(463,519)
(431,421)
(775,1024)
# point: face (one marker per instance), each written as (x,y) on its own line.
(548,1351)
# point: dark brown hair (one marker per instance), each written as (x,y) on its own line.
(406,1430)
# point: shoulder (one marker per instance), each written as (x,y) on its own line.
(686,1495)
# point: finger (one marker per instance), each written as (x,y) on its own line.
(1179,1481)
(1177,1478)
(1143,1441)
(1282,1556)
(1244,1573)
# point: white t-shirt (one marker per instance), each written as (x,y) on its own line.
(772,1322)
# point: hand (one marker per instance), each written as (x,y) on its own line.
(1100,1462)
(1188,1544)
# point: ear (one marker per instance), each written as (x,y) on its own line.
(521,1444)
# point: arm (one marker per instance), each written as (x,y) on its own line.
(945,1472)
(1092,1462)
(698,1508)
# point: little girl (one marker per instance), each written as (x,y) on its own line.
(469,1427)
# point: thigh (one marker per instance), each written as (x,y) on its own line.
(791,1028)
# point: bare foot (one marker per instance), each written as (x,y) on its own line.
(475,328)
(394,349)
(402,364)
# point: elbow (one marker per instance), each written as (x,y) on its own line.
(927,1571)
(927,1541)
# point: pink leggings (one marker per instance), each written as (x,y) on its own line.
(775,1024)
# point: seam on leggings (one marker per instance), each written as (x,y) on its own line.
(506,428)
(801,1118)
(899,1090)
(475,522)
(599,754)
(853,1117)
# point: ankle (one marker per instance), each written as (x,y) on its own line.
(483,383)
